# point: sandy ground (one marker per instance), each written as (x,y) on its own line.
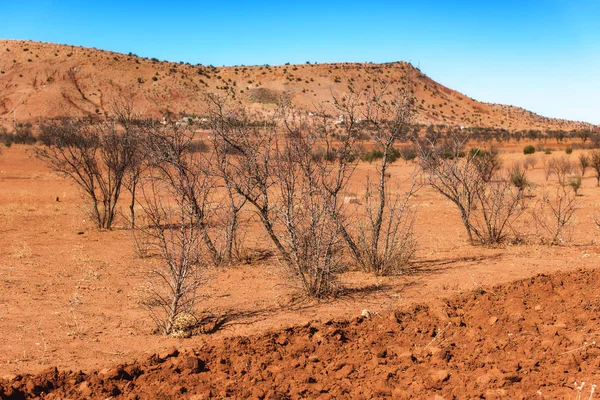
(69,294)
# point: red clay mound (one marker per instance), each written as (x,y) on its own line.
(529,339)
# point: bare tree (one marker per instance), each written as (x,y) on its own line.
(96,156)
(396,245)
(174,234)
(235,202)
(230,218)
(554,214)
(133,179)
(132,122)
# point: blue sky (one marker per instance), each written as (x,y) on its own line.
(541,55)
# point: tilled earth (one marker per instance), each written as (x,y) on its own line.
(529,339)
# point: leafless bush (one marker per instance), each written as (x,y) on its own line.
(488,208)
(274,169)
(96,156)
(311,237)
(554,214)
(233,235)
(561,167)
(230,213)
(187,173)
(486,162)
(498,206)
(124,112)
(595,164)
(383,243)
(396,244)
(529,162)
(547,169)
(584,163)
(173,233)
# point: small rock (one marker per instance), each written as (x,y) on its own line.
(172,352)
(258,393)
(194,364)
(282,341)
(344,372)
(492,320)
(441,375)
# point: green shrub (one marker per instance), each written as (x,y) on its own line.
(569,150)
(394,155)
(370,156)
(529,149)
(575,183)
(449,154)
(518,177)
(408,153)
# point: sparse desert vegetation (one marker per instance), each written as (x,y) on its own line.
(350,240)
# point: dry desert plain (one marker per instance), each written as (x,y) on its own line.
(518,321)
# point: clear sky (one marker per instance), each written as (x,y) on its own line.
(543,55)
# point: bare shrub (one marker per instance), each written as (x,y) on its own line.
(311,237)
(595,164)
(529,162)
(547,169)
(554,214)
(396,244)
(96,156)
(124,113)
(486,162)
(274,169)
(229,217)
(383,243)
(187,172)
(488,208)
(561,167)
(173,233)
(584,163)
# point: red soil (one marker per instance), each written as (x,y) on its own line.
(69,298)
(529,339)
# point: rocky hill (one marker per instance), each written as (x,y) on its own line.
(41,80)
